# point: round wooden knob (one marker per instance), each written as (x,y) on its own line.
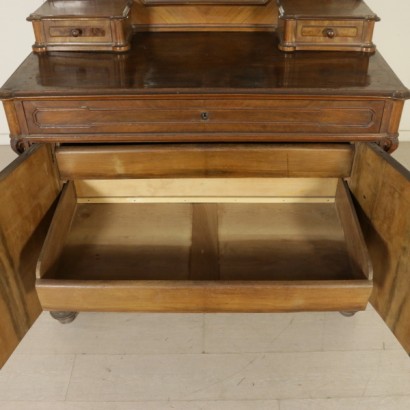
(329,32)
(76,32)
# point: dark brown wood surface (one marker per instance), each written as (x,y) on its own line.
(239,63)
(83,8)
(199,117)
(28,189)
(349,9)
(381,187)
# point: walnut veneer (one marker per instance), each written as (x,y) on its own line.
(203,171)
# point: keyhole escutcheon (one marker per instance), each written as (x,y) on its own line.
(204,116)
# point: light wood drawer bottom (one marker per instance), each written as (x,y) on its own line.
(298,250)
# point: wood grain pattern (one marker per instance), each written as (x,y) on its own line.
(202,2)
(28,189)
(381,187)
(203,116)
(196,189)
(326,25)
(356,247)
(205,160)
(125,241)
(82,26)
(238,64)
(58,231)
(346,9)
(188,17)
(159,296)
(115,251)
(204,254)
(283,242)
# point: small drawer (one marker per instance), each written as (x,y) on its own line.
(328,25)
(84,31)
(329,32)
(82,26)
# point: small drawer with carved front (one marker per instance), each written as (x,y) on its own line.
(81,26)
(328,25)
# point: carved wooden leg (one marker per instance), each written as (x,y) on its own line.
(19,145)
(390,143)
(348,313)
(64,317)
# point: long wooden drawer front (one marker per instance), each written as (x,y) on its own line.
(152,116)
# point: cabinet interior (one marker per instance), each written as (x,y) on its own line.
(283,231)
(234,238)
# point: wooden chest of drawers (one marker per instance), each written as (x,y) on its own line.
(203,173)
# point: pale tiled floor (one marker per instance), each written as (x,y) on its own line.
(304,361)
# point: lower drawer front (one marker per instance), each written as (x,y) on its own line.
(197,118)
(158,245)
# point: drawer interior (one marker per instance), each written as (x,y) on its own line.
(297,240)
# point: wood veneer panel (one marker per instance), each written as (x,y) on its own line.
(295,241)
(58,231)
(160,296)
(345,9)
(204,254)
(211,190)
(28,189)
(381,187)
(126,241)
(186,17)
(240,64)
(128,249)
(194,117)
(359,258)
(205,160)
(162,241)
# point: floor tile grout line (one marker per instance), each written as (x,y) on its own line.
(230,400)
(390,396)
(203,349)
(71,375)
(227,353)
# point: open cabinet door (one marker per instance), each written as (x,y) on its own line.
(381,187)
(28,189)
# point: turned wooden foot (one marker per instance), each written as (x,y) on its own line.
(390,143)
(19,145)
(64,317)
(348,313)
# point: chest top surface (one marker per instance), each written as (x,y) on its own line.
(82,8)
(350,9)
(204,63)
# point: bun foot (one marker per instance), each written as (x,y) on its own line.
(348,313)
(64,317)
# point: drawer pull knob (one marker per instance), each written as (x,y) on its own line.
(204,116)
(329,32)
(76,32)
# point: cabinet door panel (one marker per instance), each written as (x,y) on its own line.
(28,189)
(381,187)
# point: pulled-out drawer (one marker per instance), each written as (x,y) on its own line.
(205,245)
